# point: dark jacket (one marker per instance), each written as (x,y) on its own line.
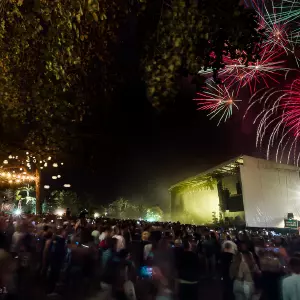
(189,267)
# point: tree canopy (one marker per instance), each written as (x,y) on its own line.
(195,35)
(58,58)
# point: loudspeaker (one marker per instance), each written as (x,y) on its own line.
(290,216)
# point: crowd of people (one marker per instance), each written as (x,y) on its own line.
(128,259)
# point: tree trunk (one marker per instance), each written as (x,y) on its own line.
(38,203)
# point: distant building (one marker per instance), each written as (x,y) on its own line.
(244,190)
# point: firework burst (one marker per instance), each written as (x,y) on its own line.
(218,100)
(287,11)
(267,69)
(279,121)
(280,34)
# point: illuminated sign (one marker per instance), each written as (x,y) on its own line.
(291,223)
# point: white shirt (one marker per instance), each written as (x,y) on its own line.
(120,243)
(147,250)
(102,236)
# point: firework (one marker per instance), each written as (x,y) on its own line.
(275,32)
(288,11)
(279,33)
(291,115)
(265,70)
(218,100)
(279,121)
(253,3)
(294,36)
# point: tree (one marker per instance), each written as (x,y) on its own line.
(25,197)
(189,35)
(23,168)
(154,214)
(9,195)
(119,208)
(123,208)
(55,57)
(66,199)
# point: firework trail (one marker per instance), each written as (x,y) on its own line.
(218,100)
(287,11)
(279,121)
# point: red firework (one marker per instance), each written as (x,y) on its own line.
(218,100)
(266,69)
(291,108)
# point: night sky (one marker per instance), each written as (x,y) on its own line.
(138,152)
(141,152)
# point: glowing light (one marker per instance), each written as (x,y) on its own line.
(62,164)
(10,157)
(67,185)
(55,165)
(151,219)
(58,176)
(18,212)
(59,212)
(49,158)
(21,169)
(47,187)
(45,164)
(54,177)
(218,100)
(5,162)
(27,153)
(96,215)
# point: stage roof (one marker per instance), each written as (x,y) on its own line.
(228,167)
(207,178)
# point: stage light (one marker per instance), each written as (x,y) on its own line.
(59,212)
